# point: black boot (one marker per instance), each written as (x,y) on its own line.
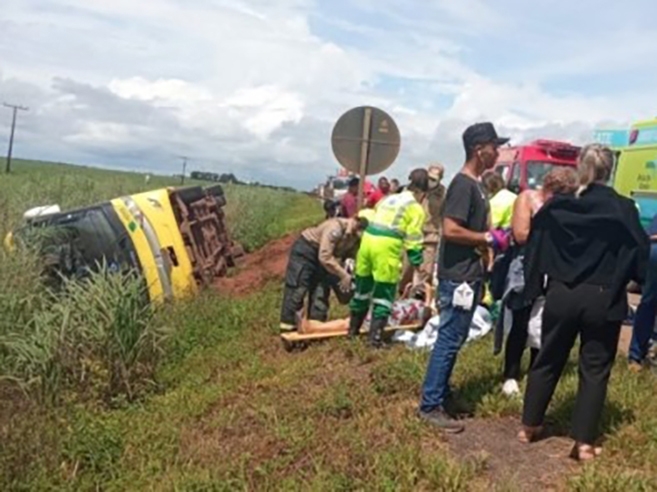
(377,326)
(355,323)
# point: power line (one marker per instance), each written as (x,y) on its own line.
(15,109)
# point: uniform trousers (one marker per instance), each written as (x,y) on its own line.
(306,277)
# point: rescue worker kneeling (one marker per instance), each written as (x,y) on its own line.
(395,226)
(315,268)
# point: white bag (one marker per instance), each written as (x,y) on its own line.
(535,323)
(463,297)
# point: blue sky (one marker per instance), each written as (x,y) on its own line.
(254,86)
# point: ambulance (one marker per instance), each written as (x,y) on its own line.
(525,166)
(635,169)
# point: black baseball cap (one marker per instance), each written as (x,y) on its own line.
(481,134)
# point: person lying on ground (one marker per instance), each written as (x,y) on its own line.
(414,309)
(589,247)
(315,268)
(561,180)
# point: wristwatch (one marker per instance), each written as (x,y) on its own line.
(489,238)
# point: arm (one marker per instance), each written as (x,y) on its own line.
(453,231)
(456,210)
(521,221)
(327,252)
(414,237)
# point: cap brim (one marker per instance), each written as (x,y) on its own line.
(502,141)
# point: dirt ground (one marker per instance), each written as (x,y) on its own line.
(256,269)
(538,466)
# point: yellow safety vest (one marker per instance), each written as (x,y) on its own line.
(399,216)
(501,208)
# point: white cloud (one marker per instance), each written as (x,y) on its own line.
(254,86)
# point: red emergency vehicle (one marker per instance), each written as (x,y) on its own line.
(524,166)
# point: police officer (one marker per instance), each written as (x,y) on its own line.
(315,267)
(395,227)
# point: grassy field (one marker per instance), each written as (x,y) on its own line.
(231,410)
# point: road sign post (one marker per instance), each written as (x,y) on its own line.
(365,147)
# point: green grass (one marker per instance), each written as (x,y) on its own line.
(237,412)
(233,411)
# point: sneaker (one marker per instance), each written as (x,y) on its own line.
(441,419)
(511,388)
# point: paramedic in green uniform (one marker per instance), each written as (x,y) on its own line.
(395,227)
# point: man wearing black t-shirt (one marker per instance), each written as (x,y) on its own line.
(461,270)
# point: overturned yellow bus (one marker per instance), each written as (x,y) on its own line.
(176,237)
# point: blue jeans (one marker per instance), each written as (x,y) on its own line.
(644,320)
(452,334)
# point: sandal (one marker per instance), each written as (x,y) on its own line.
(529,434)
(585,452)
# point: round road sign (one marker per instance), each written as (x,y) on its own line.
(365,140)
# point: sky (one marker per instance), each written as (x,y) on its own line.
(253,87)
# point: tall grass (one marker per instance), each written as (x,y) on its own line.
(94,337)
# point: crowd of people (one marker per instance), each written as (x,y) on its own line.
(558,259)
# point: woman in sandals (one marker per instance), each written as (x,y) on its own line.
(562,180)
(581,253)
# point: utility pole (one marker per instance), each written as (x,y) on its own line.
(184,169)
(16,108)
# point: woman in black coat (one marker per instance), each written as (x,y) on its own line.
(581,254)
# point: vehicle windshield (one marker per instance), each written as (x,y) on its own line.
(536,172)
(74,243)
(339,184)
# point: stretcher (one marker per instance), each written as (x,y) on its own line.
(295,339)
(306,334)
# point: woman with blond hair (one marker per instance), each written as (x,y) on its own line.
(581,253)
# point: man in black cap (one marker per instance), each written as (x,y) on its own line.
(461,271)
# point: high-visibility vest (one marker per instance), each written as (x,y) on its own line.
(399,216)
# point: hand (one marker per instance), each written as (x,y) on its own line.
(345,284)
